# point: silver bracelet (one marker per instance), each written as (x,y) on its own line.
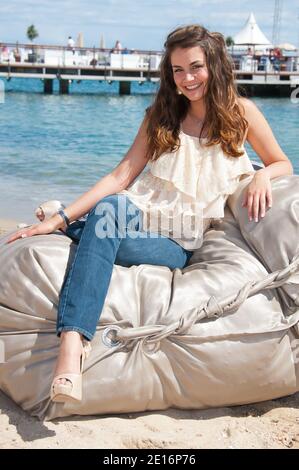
(64,216)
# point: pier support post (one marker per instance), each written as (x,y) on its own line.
(124,88)
(63,87)
(48,85)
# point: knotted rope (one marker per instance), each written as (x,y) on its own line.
(209,309)
(151,334)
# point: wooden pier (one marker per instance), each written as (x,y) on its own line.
(65,64)
(258,83)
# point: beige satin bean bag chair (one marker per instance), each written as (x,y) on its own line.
(223,331)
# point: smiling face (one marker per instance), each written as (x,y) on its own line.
(190,72)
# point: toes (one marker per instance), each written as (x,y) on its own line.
(40,214)
(62,382)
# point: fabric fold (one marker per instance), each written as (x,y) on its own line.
(183,191)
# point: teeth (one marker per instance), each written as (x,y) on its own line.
(192,87)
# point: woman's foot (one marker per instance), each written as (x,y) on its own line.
(67,383)
(48,209)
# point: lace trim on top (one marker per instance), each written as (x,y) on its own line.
(187,186)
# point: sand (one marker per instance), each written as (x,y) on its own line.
(7,225)
(267,425)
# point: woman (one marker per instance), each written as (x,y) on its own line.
(192,137)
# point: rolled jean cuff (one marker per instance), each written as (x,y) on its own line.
(87,335)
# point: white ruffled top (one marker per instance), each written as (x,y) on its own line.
(181,192)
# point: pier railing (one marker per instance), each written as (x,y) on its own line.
(61,56)
(125,66)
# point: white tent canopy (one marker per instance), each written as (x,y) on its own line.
(251,34)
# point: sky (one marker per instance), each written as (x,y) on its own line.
(142,24)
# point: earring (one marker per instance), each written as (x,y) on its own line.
(178,92)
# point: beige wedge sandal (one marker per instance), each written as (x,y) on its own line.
(48,209)
(71,392)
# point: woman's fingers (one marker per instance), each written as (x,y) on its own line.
(253,206)
(256,205)
(269,197)
(14,237)
(250,205)
(244,202)
(262,205)
(258,196)
(42,228)
(28,232)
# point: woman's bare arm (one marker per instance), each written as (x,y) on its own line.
(264,143)
(123,174)
(120,178)
(258,195)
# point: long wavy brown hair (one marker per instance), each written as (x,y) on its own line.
(224,123)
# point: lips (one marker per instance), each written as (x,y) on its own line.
(193,87)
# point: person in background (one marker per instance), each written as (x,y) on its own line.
(17,54)
(71,44)
(118,47)
(5,53)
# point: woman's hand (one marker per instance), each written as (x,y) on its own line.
(48,226)
(258,195)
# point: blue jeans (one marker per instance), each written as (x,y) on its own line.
(112,234)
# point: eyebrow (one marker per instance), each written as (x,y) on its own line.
(192,63)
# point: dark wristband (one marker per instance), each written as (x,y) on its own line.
(64,216)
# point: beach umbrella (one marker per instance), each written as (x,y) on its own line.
(287,46)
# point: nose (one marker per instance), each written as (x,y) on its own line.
(189,77)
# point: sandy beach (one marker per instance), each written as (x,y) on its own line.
(267,425)
(7,225)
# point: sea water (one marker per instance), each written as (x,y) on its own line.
(58,146)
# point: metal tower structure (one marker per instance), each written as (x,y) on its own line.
(277,22)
